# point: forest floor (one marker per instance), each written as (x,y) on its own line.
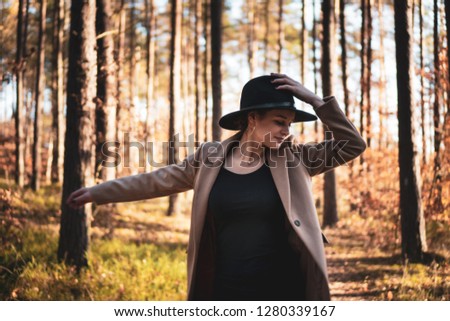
(361,265)
(138,253)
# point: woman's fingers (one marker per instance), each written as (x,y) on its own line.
(79,198)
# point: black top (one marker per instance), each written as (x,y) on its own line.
(253,260)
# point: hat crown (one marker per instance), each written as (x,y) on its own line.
(261,91)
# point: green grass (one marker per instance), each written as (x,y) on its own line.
(117,270)
(138,253)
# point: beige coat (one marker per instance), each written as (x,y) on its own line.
(292,167)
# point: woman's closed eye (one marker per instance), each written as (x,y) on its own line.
(282,123)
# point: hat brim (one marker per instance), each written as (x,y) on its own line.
(231,121)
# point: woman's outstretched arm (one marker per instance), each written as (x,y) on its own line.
(164,181)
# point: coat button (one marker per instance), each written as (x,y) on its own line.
(297,222)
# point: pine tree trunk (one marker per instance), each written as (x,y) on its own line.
(120,60)
(303,53)
(132,121)
(280,34)
(369,75)
(174,91)
(58,94)
(106,90)
(437,180)
(79,156)
(344,55)
(422,85)
(206,35)
(412,220)
(251,36)
(19,112)
(382,100)
(149,124)
(315,69)
(40,87)
(216,63)
(266,34)
(363,72)
(197,70)
(330,215)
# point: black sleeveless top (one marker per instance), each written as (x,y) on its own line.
(253,258)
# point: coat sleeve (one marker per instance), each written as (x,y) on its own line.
(164,181)
(345,144)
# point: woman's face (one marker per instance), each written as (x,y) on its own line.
(272,128)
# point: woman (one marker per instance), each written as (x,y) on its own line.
(254,232)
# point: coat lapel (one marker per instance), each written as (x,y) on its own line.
(279,171)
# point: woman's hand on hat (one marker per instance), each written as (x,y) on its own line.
(79,198)
(283,82)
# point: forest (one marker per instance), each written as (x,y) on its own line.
(82,78)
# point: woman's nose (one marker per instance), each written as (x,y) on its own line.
(285,130)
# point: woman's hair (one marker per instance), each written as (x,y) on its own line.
(243,121)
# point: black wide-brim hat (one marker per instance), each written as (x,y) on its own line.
(260,93)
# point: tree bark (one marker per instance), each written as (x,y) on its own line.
(40,87)
(58,94)
(363,56)
(206,34)
(280,34)
(344,55)
(437,180)
(314,60)
(266,34)
(368,81)
(79,156)
(251,36)
(106,88)
(412,220)
(330,215)
(174,91)
(19,112)
(150,24)
(120,59)
(382,100)
(422,85)
(197,70)
(216,62)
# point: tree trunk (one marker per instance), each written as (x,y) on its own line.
(58,94)
(18,114)
(106,89)
(266,34)
(422,86)
(174,91)
(40,87)
(412,220)
(382,100)
(363,73)
(280,34)
(216,59)
(330,215)
(314,59)
(79,156)
(132,121)
(120,59)
(149,124)
(344,55)
(197,70)
(368,81)
(251,36)
(437,180)
(206,35)
(303,54)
